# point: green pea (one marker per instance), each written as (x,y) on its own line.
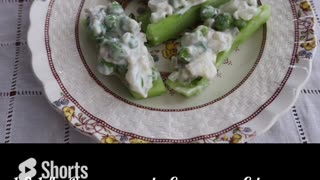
(208,12)
(106,68)
(116,51)
(240,23)
(223,22)
(129,25)
(131,40)
(204,30)
(115,8)
(121,69)
(111,22)
(184,54)
(133,44)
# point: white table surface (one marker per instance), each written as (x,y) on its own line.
(27,117)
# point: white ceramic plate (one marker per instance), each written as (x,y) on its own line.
(259,82)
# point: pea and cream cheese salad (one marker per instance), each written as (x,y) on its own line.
(167,19)
(242,9)
(163,8)
(199,53)
(205,49)
(221,27)
(122,51)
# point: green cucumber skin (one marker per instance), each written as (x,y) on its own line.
(252,26)
(173,26)
(189,90)
(158,89)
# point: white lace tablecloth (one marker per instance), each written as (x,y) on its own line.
(27,117)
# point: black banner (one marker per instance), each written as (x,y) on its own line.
(156,162)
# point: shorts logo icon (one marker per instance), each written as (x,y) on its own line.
(27,169)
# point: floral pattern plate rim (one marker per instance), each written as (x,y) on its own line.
(47,57)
